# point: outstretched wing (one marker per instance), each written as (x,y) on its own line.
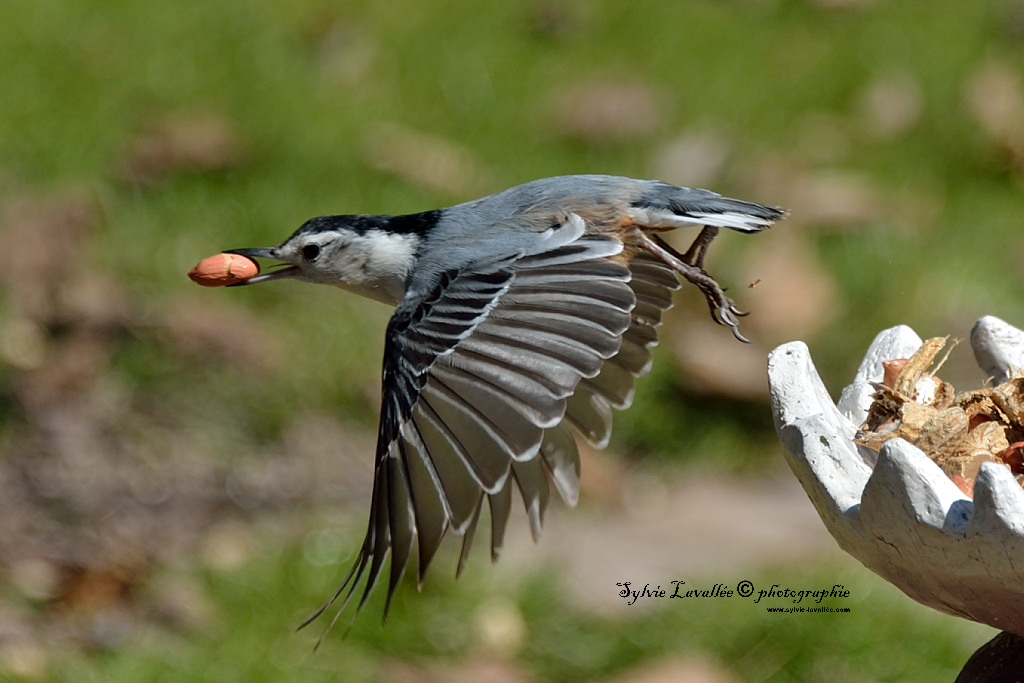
(486,380)
(589,409)
(473,376)
(588,412)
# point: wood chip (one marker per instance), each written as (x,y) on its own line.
(960,432)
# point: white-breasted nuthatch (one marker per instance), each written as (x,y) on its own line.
(522,319)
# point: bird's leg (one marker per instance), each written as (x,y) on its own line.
(723,310)
(695,254)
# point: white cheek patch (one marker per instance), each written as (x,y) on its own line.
(376,264)
(388,253)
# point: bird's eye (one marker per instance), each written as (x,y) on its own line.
(310,252)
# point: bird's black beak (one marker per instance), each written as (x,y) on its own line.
(283,271)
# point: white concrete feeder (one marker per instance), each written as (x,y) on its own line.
(900,515)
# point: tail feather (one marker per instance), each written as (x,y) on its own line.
(671,207)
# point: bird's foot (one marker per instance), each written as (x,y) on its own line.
(690,267)
(699,249)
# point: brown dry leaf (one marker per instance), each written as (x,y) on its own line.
(70,372)
(944,433)
(891,105)
(478,670)
(914,381)
(608,110)
(829,198)
(913,420)
(227,545)
(25,657)
(96,301)
(944,393)
(97,588)
(40,251)
(37,578)
(838,198)
(63,317)
(692,669)
(1011,398)
(201,327)
(876,437)
(349,55)
(897,412)
(958,432)
(183,143)
(556,19)
(183,602)
(24,343)
(501,630)
(985,439)
(426,161)
(964,466)
(695,159)
(980,407)
(996,99)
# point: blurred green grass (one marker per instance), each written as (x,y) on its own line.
(303,86)
(443,627)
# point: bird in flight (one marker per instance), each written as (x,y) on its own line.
(521,321)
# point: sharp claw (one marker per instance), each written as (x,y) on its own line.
(721,315)
(691,266)
(726,315)
(724,312)
(727,318)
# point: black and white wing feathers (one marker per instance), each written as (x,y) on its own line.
(482,379)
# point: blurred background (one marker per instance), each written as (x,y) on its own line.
(185,473)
